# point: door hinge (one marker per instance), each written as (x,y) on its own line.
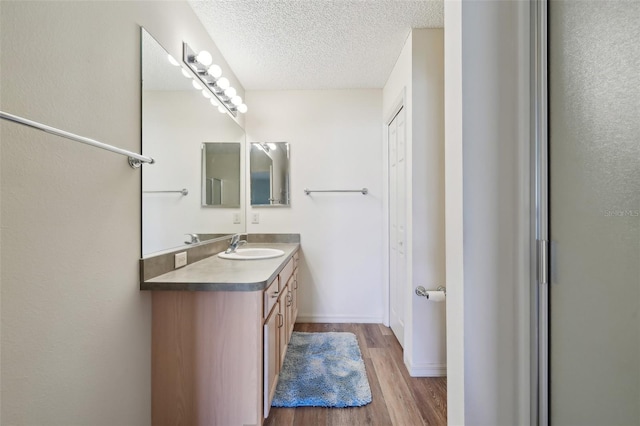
(543,261)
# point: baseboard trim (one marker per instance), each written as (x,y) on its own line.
(427,370)
(338,319)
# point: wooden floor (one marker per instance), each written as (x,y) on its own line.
(397,398)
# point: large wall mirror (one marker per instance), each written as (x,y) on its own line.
(269,174)
(178,124)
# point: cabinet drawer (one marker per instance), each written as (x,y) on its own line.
(285,274)
(270,297)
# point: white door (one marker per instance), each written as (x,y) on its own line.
(397,225)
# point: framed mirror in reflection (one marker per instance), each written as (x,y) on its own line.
(177,120)
(269,170)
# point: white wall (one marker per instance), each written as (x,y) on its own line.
(335,144)
(427,174)
(176,123)
(419,75)
(488,174)
(75,329)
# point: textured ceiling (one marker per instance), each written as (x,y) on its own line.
(316,44)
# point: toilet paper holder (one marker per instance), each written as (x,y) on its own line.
(421,291)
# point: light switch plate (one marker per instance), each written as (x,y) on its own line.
(180,259)
(236,218)
(255,217)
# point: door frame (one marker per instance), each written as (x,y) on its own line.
(457,23)
(539,216)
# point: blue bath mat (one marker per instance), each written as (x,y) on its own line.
(322,370)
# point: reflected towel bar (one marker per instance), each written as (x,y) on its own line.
(135,160)
(363,191)
(183,191)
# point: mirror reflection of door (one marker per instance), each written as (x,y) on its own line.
(220,174)
(269,174)
(261,188)
(213,191)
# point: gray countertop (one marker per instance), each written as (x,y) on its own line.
(216,274)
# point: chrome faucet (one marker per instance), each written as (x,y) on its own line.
(235,243)
(194,239)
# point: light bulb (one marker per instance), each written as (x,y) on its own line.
(222,109)
(272,146)
(204,58)
(236,100)
(172,61)
(206,93)
(242,108)
(230,92)
(196,85)
(214,102)
(215,71)
(186,73)
(223,83)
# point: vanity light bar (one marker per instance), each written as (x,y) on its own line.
(211,77)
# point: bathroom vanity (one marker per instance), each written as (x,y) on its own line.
(220,330)
(220,327)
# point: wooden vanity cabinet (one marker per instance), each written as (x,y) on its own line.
(206,364)
(216,355)
(277,331)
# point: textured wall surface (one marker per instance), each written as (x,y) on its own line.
(75,328)
(594,139)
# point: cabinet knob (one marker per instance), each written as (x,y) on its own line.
(275,295)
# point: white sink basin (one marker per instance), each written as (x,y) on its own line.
(252,254)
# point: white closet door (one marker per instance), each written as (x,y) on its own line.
(397,225)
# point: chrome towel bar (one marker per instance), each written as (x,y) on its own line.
(135,160)
(363,191)
(183,191)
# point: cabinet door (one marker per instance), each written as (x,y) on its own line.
(289,310)
(271,356)
(294,291)
(282,329)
